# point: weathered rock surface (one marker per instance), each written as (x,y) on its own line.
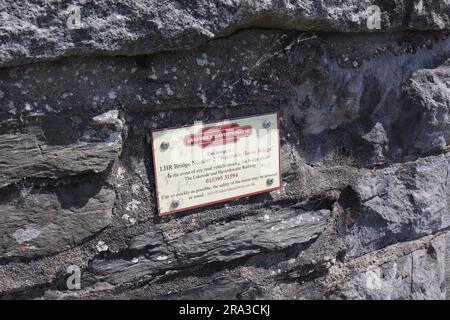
(36,222)
(426,106)
(38,30)
(411,270)
(364,144)
(401,203)
(216,243)
(55,146)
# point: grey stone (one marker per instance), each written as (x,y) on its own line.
(216,243)
(363,116)
(399,203)
(417,274)
(36,222)
(146,240)
(57,148)
(447,267)
(377,135)
(219,289)
(318,92)
(51,29)
(426,108)
(237,239)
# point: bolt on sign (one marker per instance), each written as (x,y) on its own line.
(208,163)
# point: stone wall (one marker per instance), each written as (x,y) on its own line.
(364,208)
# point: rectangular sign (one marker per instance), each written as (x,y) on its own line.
(207,163)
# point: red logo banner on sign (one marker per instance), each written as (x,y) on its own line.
(214,136)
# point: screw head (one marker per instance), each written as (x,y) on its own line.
(270,181)
(165,145)
(175,203)
(267,124)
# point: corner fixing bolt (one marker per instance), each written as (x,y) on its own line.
(165,145)
(175,203)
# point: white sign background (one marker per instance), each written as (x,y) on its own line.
(191,176)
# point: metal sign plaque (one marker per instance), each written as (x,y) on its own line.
(207,163)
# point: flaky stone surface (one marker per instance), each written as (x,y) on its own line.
(55,146)
(42,222)
(364,208)
(385,275)
(216,243)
